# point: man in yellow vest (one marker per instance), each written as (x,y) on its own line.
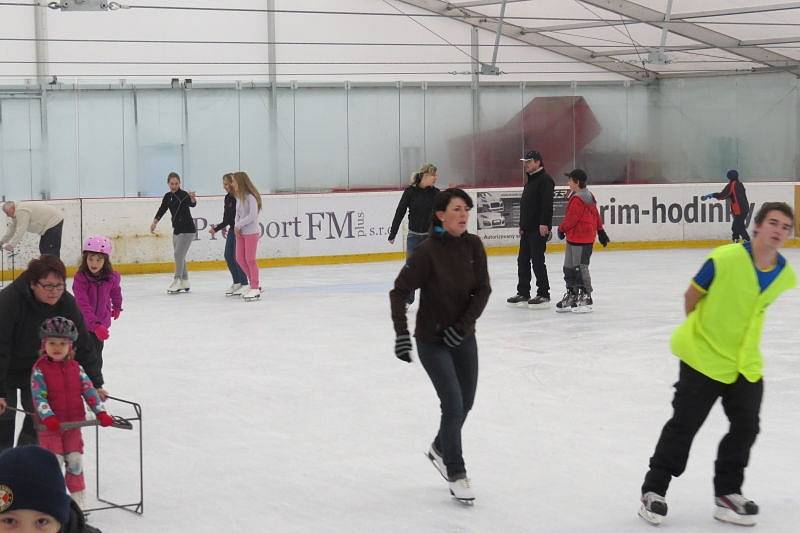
(718,345)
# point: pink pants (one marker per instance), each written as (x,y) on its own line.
(68,446)
(246,246)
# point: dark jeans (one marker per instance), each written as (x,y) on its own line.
(412,242)
(21,383)
(695,395)
(738,228)
(531,252)
(50,243)
(454,374)
(230,258)
(97,347)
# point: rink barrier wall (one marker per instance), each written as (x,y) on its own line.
(336,228)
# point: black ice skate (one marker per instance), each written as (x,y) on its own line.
(566,303)
(653,509)
(736,509)
(539,302)
(518,301)
(583,303)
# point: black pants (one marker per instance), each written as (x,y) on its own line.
(738,228)
(97,347)
(531,253)
(454,374)
(695,395)
(50,243)
(21,383)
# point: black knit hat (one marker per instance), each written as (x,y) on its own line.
(733,175)
(31,478)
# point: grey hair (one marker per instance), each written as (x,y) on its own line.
(6,205)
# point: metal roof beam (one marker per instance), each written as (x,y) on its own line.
(516,32)
(693,31)
(478,3)
(577,26)
(737,11)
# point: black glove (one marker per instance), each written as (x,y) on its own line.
(402,347)
(707,196)
(562,235)
(452,336)
(603,238)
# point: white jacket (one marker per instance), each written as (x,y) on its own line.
(35,217)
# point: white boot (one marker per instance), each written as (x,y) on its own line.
(184,286)
(241,290)
(654,508)
(461,490)
(437,460)
(252,294)
(80,498)
(736,509)
(232,290)
(175,286)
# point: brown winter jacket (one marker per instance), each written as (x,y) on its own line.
(454,281)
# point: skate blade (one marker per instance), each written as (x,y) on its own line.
(563,309)
(651,518)
(469,502)
(537,307)
(582,309)
(723,514)
(252,298)
(433,462)
(518,304)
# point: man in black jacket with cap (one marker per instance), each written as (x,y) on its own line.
(535,222)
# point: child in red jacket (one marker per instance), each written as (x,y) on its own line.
(59,386)
(580,226)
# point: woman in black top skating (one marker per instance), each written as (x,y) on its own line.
(184,230)
(417,199)
(226,227)
(450,270)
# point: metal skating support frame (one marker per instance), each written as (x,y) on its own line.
(137,507)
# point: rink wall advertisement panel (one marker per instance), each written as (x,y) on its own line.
(348,227)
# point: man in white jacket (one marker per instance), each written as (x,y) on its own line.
(34,217)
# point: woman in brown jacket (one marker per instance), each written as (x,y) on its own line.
(450,270)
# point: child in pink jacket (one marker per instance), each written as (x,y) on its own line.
(59,386)
(97,291)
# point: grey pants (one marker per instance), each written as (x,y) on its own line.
(181,243)
(576,266)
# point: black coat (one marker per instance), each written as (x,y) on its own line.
(536,207)
(228,214)
(419,203)
(178,204)
(21,315)
(77,522)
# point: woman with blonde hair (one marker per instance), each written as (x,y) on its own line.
(247,230)
(417,199)
(226,227)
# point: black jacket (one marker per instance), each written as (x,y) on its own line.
(178,204)
(454,281)
(77,521)
(228,215)
(419,203)
(736,192)
(21,315)
(536,207)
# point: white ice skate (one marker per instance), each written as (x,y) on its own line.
(185,286)
(232,290)
(437,461)
(653,509)
(736,509)
(461,490)
(252,295)
(174,287)
(241,290)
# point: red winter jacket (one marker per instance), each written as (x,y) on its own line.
(64,388)
(582,220)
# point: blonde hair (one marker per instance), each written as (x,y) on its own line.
(427,168)
(245,186)
(228,177)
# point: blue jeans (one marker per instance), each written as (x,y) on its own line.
(412,242)
(230,257)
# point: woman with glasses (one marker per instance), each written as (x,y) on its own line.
(37,294)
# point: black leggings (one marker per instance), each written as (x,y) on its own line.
(454,374)
(50,243)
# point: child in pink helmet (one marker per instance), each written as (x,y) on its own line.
(97,291)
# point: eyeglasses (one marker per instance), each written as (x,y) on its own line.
(52,287)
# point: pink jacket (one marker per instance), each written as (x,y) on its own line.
(97,297)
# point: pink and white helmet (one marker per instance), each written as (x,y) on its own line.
(97,244)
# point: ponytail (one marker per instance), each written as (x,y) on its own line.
(427,168)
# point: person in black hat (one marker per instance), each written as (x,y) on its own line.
(33,496)
(740,207)
(535,222)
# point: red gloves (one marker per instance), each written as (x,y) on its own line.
(101,332)
(52,423)
(105,419)
(115,313)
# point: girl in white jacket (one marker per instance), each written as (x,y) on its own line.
(248,230)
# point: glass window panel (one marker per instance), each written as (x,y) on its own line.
(601,132)
(321,138)
(374,132)
(267,142)
(160,139)
(412,133)
(62,145)
(213,138)
(100,150)
(448,134)
(15,149)
(498,144)
(549,127)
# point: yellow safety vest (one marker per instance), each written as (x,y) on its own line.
(720,338)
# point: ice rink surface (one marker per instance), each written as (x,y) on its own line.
(293,415)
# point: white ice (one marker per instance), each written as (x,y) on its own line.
(293,415)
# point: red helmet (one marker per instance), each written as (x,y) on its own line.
(97,244)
